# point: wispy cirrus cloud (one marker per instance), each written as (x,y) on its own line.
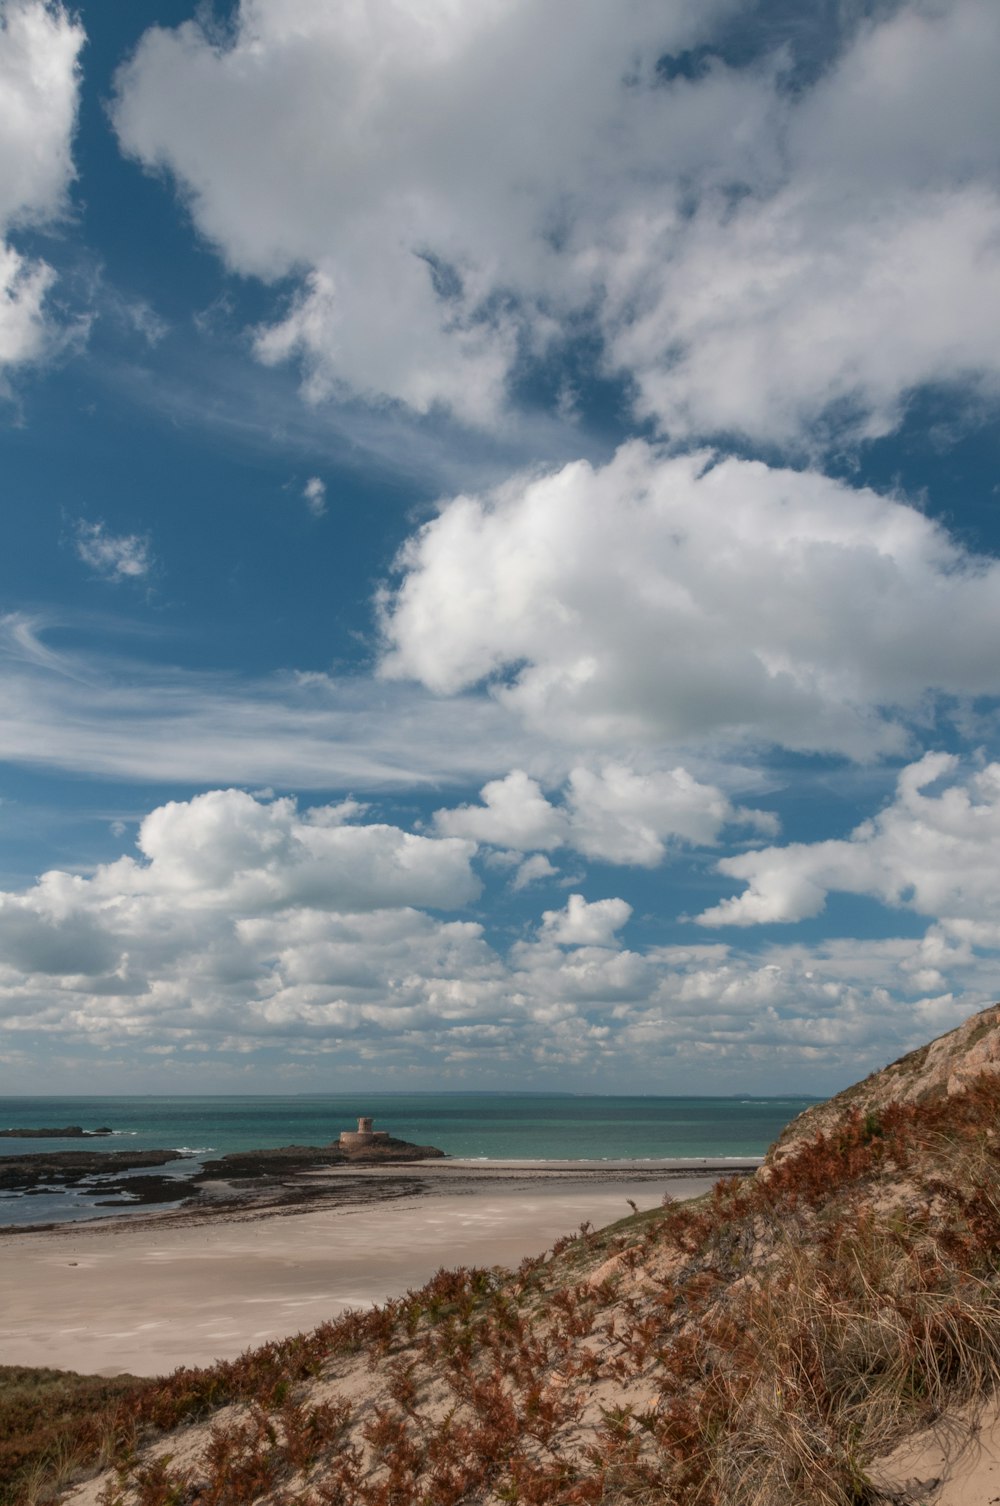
(141,721)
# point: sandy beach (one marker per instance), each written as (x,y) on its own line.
(154,1291)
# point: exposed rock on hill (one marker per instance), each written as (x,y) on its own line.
(940,1069)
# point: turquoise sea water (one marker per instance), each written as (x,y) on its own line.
(490,1126)
(498,1126)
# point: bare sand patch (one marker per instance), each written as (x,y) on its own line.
(149,1294)
(955,1463)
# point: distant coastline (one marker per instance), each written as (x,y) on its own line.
(487,1130)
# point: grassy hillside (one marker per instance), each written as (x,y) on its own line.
(761,1346)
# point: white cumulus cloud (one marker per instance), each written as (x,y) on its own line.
(514,813)
(661,599)
(581,923)
(615,813)
(932,850)
(459,187)
(229,849)
(39,48)
(533,870)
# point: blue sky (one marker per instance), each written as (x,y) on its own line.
(501,580)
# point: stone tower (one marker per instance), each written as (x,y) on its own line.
(364,1135)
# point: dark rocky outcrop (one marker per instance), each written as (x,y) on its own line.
(68,1132)
(268,1178)
(108,1173)
(67,1167)
(286,1159)
(389,1150)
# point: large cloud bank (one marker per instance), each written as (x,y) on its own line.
(246,925)
(39,46)
(459,187)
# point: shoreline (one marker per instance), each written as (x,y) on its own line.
(187,1286)
(304,1187)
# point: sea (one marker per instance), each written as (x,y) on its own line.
(480,1126)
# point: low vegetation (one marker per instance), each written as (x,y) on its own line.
(51,1424)
(761,1346)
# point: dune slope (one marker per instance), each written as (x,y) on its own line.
(769,1344)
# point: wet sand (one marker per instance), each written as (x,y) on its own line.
(154,1291)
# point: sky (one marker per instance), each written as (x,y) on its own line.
(500,570)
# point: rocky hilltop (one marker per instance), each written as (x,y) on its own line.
(939,1070)
(770,1344)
